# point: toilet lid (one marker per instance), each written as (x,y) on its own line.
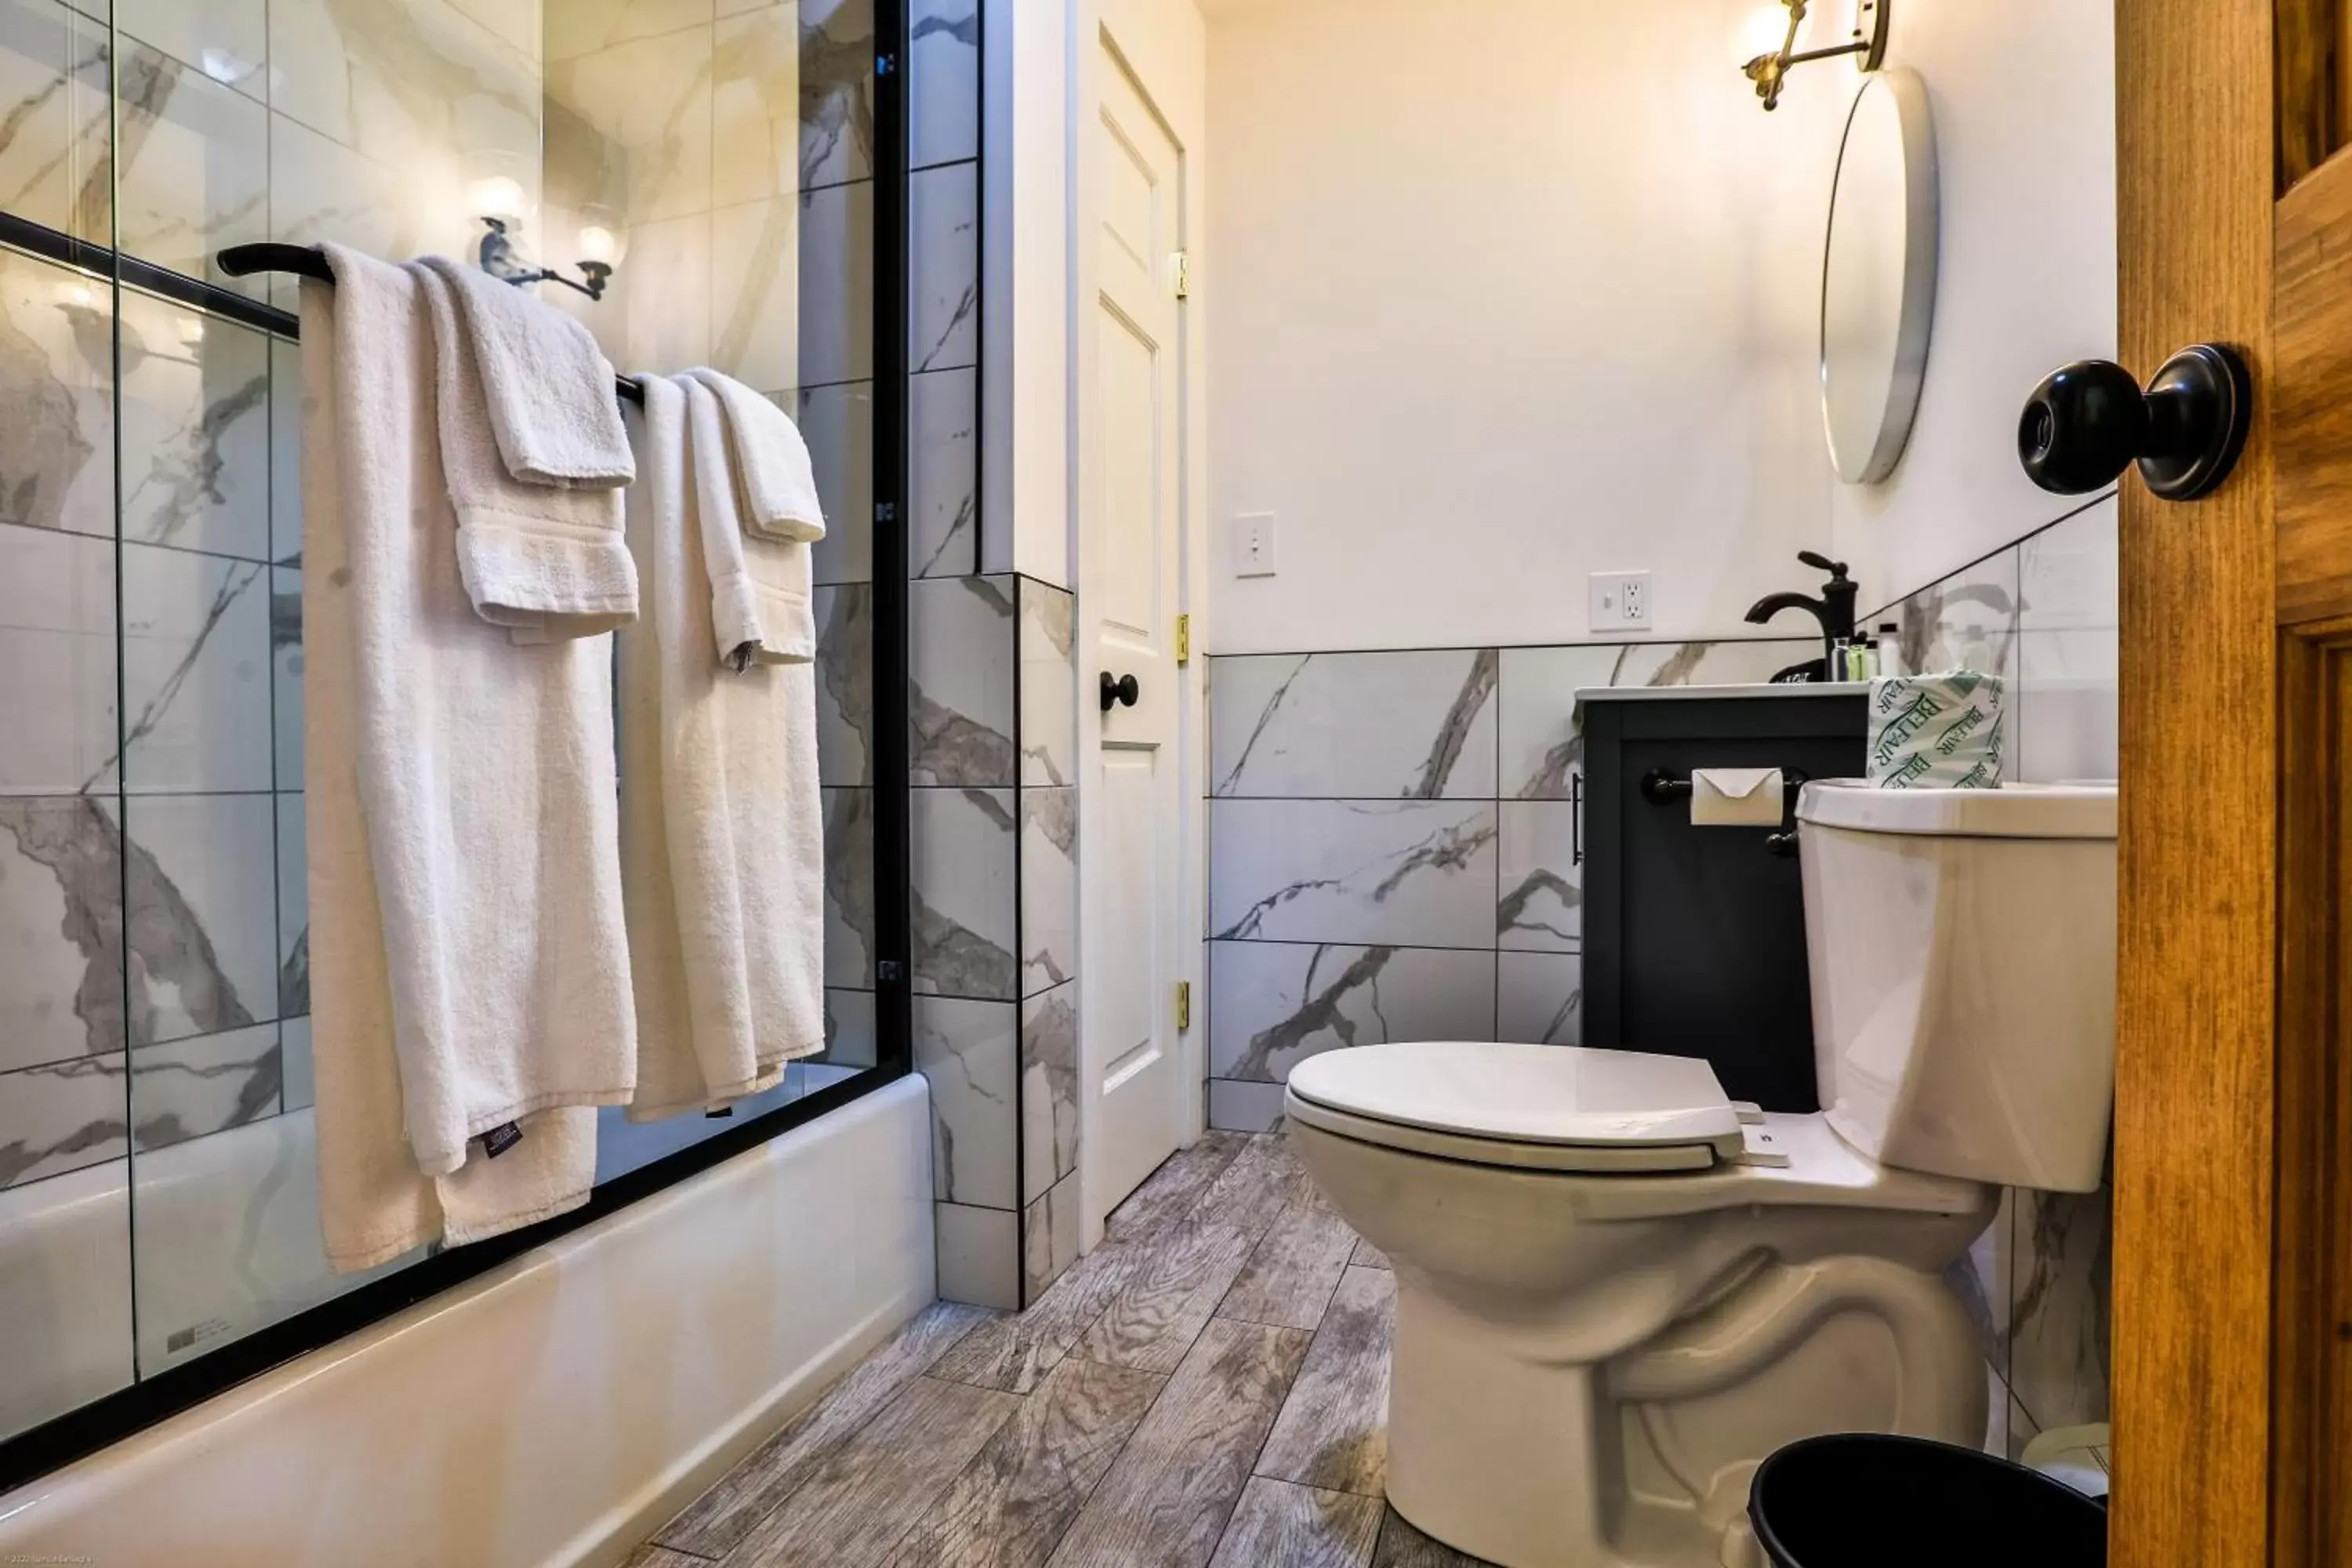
(1555,1107)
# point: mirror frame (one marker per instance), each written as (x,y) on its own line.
(1916,315)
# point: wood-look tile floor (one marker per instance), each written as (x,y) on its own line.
(1206,1389)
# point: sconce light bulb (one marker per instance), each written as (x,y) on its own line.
(597,244)
(498,196)
(1763,33)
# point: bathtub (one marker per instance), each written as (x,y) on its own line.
(554,1411)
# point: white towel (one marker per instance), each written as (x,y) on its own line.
(776,484)
(365,417)
(724,837)
(465,924)
(545,562)
(549,387)
(760,588)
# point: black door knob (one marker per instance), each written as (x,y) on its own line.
(2089,421)
(1121,690)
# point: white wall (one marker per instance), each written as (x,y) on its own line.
(1509,291)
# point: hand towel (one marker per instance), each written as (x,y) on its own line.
(549,387)
(760,588)
(724,854)
(776,484)
(545,562)
(1935,731)
(466,929)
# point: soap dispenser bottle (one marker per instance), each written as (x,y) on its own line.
(1890,650)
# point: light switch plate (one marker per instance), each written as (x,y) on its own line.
(1254,544)
(1621,602)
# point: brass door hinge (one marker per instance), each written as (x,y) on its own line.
(1184,639)
(1180,266)
(1183,1005)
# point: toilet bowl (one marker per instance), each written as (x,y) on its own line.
(1618,1291)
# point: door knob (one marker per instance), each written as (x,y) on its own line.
(1122,689)
(2088,421)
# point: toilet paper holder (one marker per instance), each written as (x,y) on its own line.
(1660,787)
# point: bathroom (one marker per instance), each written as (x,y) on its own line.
(1249,434)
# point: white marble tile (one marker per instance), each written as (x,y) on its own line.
(195,1087)
(284,452)
(1272,1004)
(969,1052)
(57,403)
(963,909)
(1049,1090)
(2020,1430)
(57,660)
(285,663)
(657,314)
(2060,1311)
(54,168)
(1049,691)
(2068,574)
(576,27)
(944,78)
(943,310)
(192,162)
(320,190)
(1539,998)
(65,1330)
(837,422)
(2065,710)
(195,429)
(961,649)
(845,683)
(293,909)
(837,286)
(1980,1278)
(1049,888)
(197,664)
(1049,1238)
(294,1053)
(850,1042)
(943,485)
(849,922)
(1416,874)
(980,1256)
(61,1118)
(836,71)
(203,915)
(1968,621)
(1414,725)
(1541,908)
(1541,747)
(1244,1107)
(60,930)
(755,293)
(755,70)
(228,40)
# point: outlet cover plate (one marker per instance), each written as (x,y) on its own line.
(1621,602)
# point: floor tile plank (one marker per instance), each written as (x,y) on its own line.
(1255,1188)
(651,1556)
(1014,1354)
(1288,1280)
(1369,1257)
(872,1490)
(714,1522)
(1403,1546)
(1019,1494)
(1298,1527)
(1152,1322)
(1333,1431)
(1169,1194)
(1167,1500)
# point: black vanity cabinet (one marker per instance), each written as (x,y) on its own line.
(1694,937)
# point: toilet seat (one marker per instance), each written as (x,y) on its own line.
(1539,1107)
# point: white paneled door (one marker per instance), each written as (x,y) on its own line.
(1131,490)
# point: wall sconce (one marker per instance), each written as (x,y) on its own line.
(498,258)
(1770,69)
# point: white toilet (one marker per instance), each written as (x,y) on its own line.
(1617,1291)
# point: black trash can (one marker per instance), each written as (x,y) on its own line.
(1867,1500)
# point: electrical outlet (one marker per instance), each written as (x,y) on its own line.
(1254,544)
(1621,602)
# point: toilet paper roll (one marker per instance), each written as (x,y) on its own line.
(1736,797)
(1936,732)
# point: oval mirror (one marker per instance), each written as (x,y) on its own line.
(1878,277)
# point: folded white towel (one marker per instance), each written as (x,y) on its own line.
(723,837)
(775,481)
(760,588)
(411,819)
(549,387)
(545,562)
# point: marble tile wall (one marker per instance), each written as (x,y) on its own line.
(1392,857)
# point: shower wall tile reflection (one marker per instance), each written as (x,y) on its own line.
(55,163)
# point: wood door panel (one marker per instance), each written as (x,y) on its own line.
(2310,394)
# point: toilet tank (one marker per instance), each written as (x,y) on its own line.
(1962,946)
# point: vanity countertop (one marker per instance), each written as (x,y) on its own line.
(1718,693)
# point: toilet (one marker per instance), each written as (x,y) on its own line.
(1618,1290)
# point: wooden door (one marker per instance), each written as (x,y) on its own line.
(1132,467)
(2232,1368)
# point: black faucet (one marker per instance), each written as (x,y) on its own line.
(1833,610)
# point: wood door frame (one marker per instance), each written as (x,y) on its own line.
(2231,1425)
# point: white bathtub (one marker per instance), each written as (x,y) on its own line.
(552,1412)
